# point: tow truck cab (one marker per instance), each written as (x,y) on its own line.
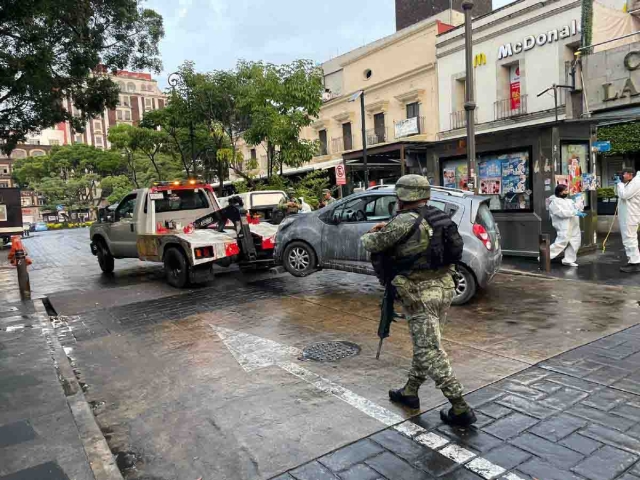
(172,223)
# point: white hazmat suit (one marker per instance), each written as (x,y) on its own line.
(567,224)
(629,217)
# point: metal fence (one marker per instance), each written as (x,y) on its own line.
(459,118)
(376,136)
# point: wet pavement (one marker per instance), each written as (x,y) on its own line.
(597,266)
(210,383)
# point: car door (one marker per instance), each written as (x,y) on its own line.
(123,233)
(349,221)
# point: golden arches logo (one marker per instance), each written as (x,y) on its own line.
(479,59)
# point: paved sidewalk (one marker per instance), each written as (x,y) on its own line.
(47,430)
(575,416)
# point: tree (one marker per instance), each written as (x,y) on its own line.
(280,101)
(121,138)
(116,188)
(54,50)
(67,162)
(149,142)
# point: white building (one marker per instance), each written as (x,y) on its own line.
(519,51)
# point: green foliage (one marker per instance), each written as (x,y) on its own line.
(116,188)
(280,101)
(607,192)
(59,226)
(624,137)
(54,50)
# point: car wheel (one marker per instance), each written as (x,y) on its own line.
(105,259)
(466,285)
(299,259)
(176,268)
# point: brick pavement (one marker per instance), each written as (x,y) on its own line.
(573,417)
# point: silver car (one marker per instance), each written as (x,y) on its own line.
(330,238)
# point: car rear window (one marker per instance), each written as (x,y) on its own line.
(181,200)
(484,217)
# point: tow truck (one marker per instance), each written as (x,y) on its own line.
(182,225)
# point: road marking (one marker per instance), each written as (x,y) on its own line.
(253,352)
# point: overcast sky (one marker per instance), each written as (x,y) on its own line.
(216,33)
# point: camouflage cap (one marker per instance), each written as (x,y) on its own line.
(412,188)
(326,190)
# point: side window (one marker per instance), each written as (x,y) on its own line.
(438,204)
(126,207)
(381,208)
(352,211)
(448,208)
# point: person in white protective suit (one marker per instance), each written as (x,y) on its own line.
(565,219)
(629,217)
(305,207)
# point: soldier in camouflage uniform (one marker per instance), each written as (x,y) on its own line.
(426,296)
(291,204)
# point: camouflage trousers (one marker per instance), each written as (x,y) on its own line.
(426,304)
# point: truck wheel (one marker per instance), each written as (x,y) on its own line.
(105,259)
(466,285)
(299,259)
(176,268)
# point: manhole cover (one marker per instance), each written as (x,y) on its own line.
(330,351)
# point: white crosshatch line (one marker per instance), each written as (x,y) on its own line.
(253,352)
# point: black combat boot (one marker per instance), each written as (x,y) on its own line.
(407,395)
(460,414)
(631,268)
(398,396)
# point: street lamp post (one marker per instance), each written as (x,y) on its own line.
(354,97)
(174,79)
(469,103)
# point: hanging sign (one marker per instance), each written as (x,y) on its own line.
(515,86)
(341,175)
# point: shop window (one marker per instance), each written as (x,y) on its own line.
(322,135)
(575,171)
(504,177)
(413,110)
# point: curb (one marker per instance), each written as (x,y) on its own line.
(100,458)
(522,273)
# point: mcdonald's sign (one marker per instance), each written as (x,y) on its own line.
(479,59)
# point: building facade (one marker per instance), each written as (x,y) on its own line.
(525,142)
(398,77)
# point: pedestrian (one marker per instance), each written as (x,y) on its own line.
(565,219)
(327,199)
(425,294)
(291,204)
(628,190)
(304,206)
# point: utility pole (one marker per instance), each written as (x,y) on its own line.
(469,101)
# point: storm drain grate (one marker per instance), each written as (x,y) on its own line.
(330,351)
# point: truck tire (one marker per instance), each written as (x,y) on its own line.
(105,259)
(176,268)
(466,285)
(299,259)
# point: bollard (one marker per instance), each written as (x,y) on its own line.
(23,275)
(545,252)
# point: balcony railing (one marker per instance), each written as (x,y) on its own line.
(342,144)
(459,118)
(408,127)
(505,108)
(376,136)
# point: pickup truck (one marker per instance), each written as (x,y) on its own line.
(182,226)
(262,204)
